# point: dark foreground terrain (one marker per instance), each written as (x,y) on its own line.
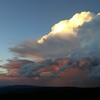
(49,93)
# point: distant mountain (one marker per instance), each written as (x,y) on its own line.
(15,88)
(47,93)
(20,86)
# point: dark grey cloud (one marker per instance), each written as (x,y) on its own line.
(89,36)
(33,70)
(95,73)
(29,70)
(50,68)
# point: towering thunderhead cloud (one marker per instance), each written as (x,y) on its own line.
(75,42)
(80,33)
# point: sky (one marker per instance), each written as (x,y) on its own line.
(56,41)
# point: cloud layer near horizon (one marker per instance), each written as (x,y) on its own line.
(60,72)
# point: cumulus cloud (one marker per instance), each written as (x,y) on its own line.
(65,28)
(60,42)
(72,47)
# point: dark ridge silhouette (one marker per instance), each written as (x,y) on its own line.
(29,92)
